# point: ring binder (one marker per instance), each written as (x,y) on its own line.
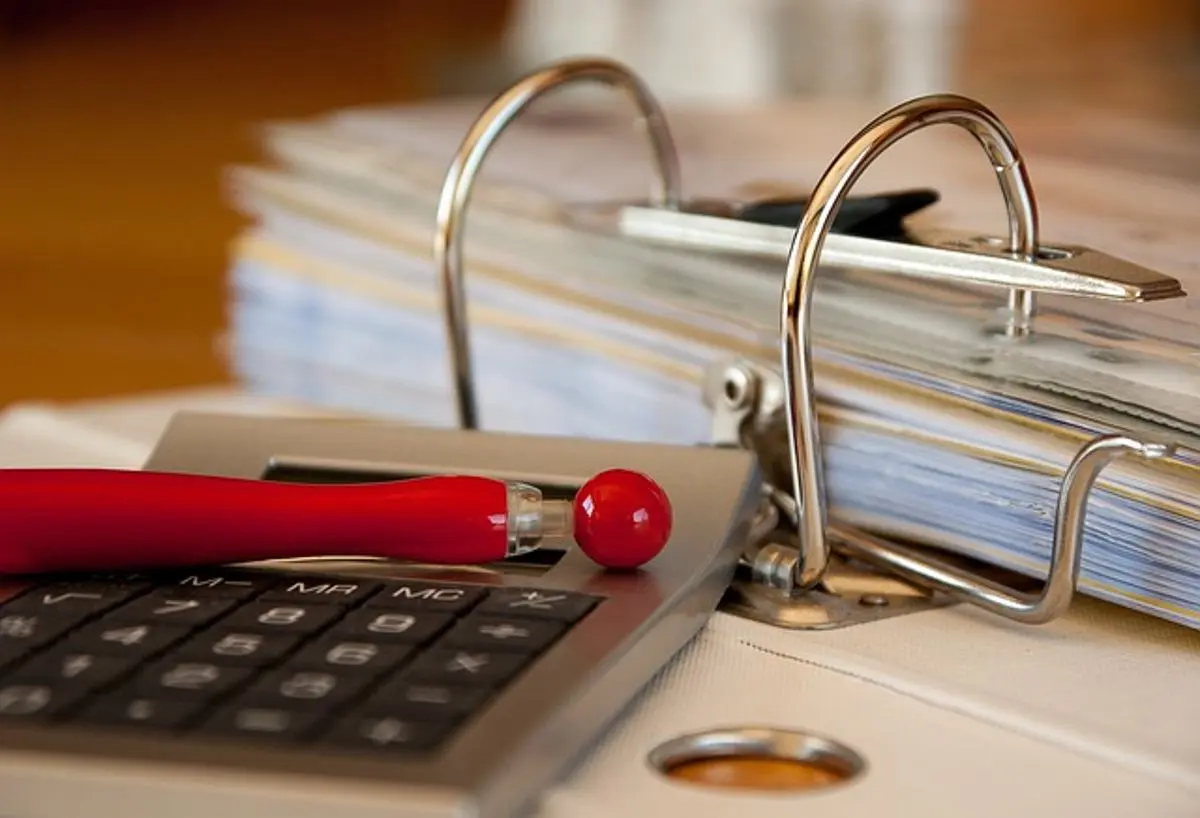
(1020,265)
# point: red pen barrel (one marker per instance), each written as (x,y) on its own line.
(61,520)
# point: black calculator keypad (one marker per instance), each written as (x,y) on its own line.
(330,662)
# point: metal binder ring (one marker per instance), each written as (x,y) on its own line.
(808,478)
(460,179)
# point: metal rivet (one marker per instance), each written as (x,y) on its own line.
(873,600)
(738,386)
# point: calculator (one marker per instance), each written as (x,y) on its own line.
(351,687)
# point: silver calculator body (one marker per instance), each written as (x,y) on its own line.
(497,760)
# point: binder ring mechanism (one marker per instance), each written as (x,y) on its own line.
(817,533)
(1022,270)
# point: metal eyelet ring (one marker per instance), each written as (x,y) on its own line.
(460,179)
(808,477)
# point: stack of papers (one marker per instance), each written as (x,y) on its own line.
(934,427)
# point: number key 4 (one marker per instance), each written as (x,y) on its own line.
(117,639)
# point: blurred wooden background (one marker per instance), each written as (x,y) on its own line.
(117,117)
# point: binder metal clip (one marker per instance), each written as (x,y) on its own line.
(802,568)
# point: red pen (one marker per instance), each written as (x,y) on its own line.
(68,520)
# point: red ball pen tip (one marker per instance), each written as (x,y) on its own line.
(622,518)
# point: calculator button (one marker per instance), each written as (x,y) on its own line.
(425,702)
(427,596)
(231,585)
(226,647)
(349,655)
(139,711)
(76,601)
(503,634)
(31,701)
(261,722)
(25,632)
(387,733)
(561,606)
(404,627)
(466,667)
(29,631)
(198,680)
(321,590)
(304,689)
(86,671)
(283,617)
(119,639)
(173,608)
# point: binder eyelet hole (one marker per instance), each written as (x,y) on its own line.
(757,758)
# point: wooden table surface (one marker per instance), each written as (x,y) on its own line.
(114,129)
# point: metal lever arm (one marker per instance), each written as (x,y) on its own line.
(1065,555)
